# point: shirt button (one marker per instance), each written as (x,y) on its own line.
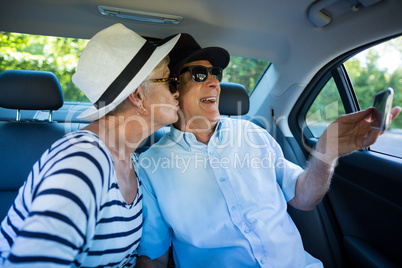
(262,261)
(211,153)
(234,208)
(247,231)
(222,179)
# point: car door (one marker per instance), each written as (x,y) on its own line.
(359,222)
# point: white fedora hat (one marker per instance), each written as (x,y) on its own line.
(113,64)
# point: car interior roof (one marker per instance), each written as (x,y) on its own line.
(262,29)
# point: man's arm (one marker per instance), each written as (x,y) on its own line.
(345,135)
(145,262)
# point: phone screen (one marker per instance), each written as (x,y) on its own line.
(382,107)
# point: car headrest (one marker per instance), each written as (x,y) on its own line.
(233,99)
(30,90)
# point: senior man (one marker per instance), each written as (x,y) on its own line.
(201,193)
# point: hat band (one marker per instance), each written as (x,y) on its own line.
(124,78)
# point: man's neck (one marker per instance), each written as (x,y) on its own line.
(204,137)
(202,134)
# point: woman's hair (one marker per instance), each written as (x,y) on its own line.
(160,67)
(145,84)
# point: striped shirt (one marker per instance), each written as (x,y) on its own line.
(70,211)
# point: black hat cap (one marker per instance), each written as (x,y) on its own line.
(187,50)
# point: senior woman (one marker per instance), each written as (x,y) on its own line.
(81,205)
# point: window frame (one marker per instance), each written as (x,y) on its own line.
(337,70)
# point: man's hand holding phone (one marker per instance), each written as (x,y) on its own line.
(358,130)
(382,108)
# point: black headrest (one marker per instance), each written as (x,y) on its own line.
(233,99)
(30,90)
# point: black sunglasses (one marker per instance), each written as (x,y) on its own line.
(199,73)
(173,82)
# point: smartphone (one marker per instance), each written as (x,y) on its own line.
(382,108)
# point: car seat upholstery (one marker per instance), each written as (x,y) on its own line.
(22,142)
(233,99)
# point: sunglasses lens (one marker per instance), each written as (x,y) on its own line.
(199,74)
(217,73)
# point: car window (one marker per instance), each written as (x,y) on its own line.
(326,107)
(372,71)
(60,56)
(245,71)
(46,53)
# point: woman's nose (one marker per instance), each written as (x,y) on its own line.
(176,94)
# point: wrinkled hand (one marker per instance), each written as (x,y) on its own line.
(349,133)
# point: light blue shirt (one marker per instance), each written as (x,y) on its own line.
(222,205)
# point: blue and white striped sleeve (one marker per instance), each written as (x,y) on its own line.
(63,207)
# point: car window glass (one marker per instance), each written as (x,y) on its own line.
(46,53)
(245,71)
(326,107)
(372,71)
(60,56)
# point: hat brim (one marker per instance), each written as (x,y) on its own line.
(160,52)
(217,56)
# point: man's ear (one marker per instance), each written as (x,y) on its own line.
(137,97)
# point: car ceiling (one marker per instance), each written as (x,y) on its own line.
(266,29)
(278,31)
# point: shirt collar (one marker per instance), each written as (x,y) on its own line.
(188,139)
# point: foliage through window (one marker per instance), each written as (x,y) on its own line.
(60,56)
(45,53)
(372,71)
(326,108)
(245,71)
